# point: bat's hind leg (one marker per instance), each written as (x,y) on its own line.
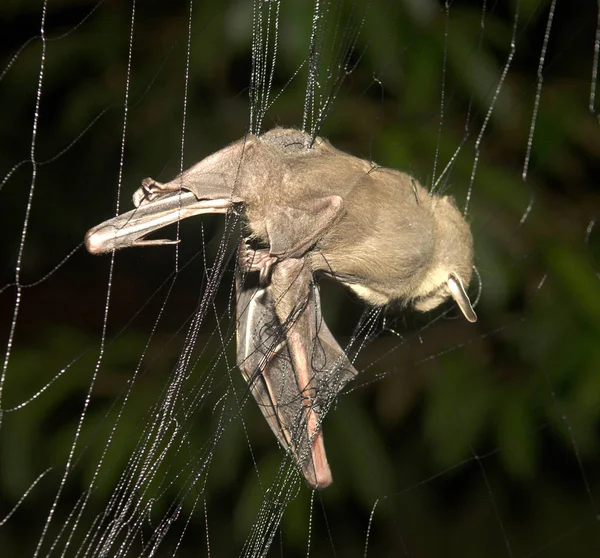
(256,260)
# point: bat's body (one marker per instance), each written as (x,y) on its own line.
(314,208)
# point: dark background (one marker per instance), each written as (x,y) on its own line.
(466,440)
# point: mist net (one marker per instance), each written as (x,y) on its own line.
(126,427)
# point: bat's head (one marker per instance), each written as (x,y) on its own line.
(452,264)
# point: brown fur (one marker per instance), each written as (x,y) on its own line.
(389,240)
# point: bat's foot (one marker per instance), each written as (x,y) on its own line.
(151,189)
(259,260)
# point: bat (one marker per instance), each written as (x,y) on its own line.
(309,209)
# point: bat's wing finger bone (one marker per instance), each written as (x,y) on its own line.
(129,229)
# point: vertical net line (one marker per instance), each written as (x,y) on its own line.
(468,116)
(442,91)
(264,57)
(594,84)
(256,34)
(310,522)
(99,360)
(266,85)
(329,59)
(188,56)
(313,61)
(34,165)
(320,24)
(340,56)
(507,65)
(112,503)
(148,459)
(538,92)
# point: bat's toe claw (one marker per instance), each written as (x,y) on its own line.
(148,191)
(259,260)
(144,193)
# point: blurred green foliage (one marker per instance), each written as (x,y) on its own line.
(458,438)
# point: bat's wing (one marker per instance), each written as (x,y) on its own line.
(265,357)
(207,187)
(129,229)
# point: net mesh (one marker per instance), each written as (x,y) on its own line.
(126,428)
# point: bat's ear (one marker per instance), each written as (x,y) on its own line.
(458,293)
